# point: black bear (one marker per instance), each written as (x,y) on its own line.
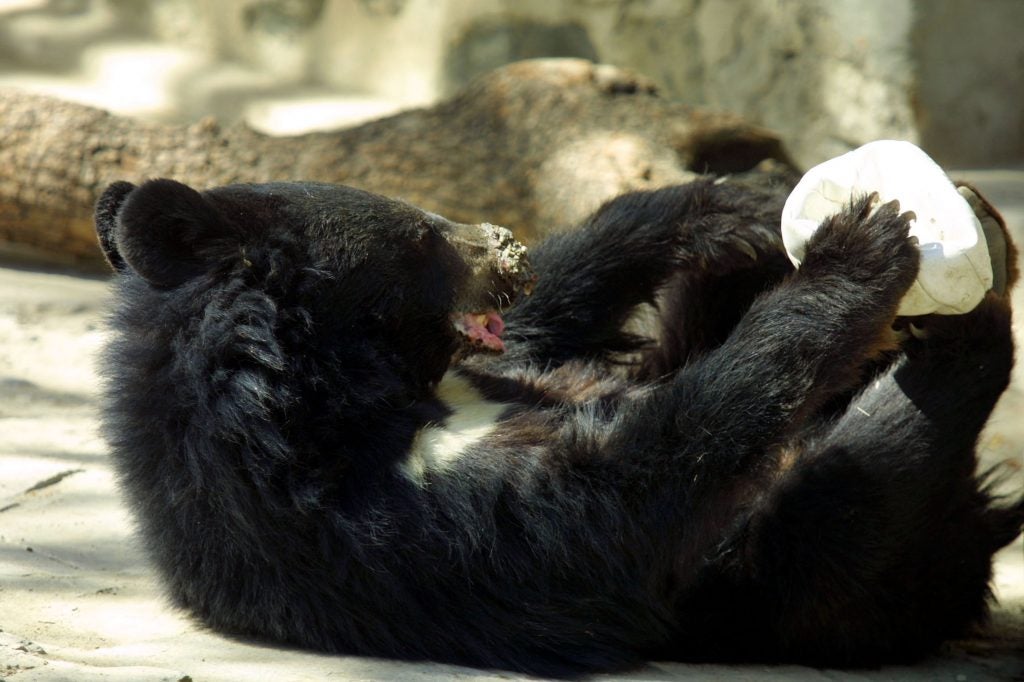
(344,423)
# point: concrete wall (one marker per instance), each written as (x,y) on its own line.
(969,94)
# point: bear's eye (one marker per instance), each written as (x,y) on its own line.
(427,233)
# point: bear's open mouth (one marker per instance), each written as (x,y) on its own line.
(482,330)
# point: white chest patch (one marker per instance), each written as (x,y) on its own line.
(437,446)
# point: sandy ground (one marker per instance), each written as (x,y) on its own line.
(78,601)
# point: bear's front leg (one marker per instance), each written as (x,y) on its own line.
(798,345)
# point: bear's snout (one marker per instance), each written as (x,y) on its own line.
(498,265)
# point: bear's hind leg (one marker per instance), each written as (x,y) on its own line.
(876,544)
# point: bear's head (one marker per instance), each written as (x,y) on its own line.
(337,266)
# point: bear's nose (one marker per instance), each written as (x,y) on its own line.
(507,254)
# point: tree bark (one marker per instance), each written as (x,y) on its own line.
(532,146)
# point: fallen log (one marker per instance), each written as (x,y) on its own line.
(532,146)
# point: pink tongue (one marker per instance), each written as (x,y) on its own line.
(482,329)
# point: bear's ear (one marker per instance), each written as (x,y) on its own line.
(105,217)
(162,229)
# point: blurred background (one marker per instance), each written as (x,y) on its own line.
(828,75)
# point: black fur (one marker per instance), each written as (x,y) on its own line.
(737,491)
